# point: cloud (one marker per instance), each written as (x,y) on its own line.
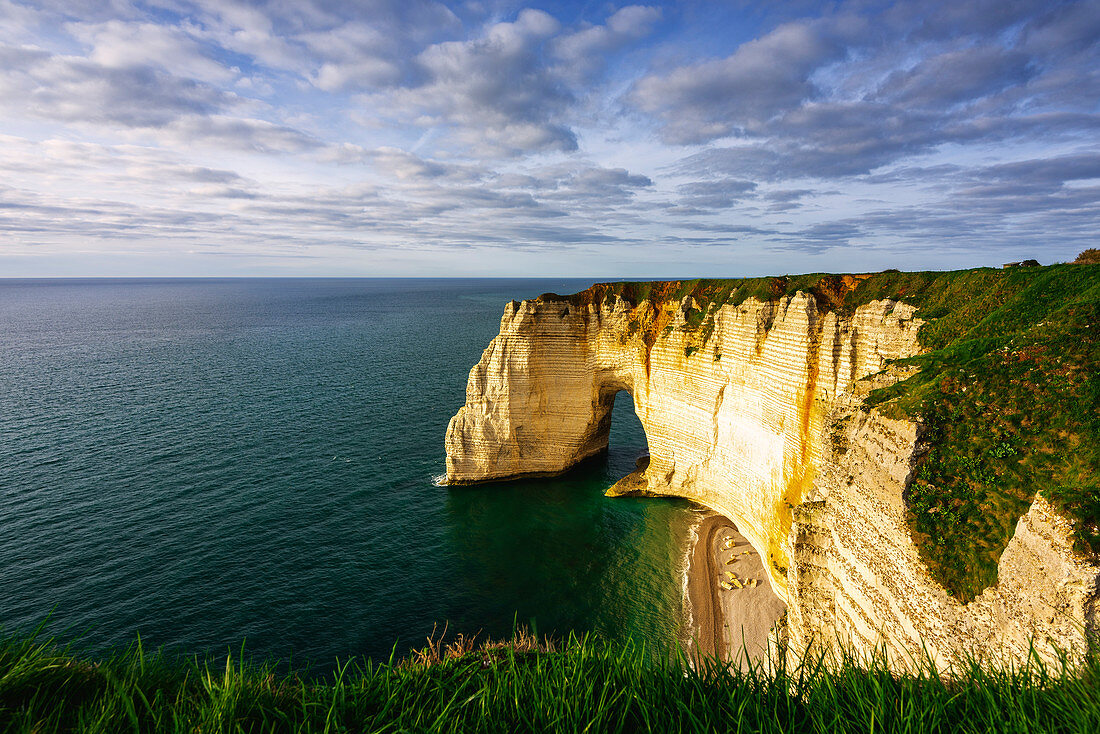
(604,195)
(414,201)
(506,90)
(721,194)
(582,53)
(1002,209)
(1064,30)
(1046,171)
(494,92)
(782,200)
(815,99)
(118,44)
(202,174)
(241,133)
(1066,187)
(70,89)
(410,125)
(511,90)
(742,91)
(939,19)
(214,191)
(404,166)
(75,89)
(356,56)
(958,76)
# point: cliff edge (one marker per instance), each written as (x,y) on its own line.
(756,400)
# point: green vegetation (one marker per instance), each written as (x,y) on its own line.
(1010,399)
(587,686)
(711,293)
(1008,393)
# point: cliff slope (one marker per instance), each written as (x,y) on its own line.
(754,399)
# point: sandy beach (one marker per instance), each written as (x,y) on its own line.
(733,606)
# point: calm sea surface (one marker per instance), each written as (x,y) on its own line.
(210,461)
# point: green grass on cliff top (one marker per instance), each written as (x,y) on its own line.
(1008,393)
(588,686)
(1010,399)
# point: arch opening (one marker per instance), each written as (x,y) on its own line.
(627,444)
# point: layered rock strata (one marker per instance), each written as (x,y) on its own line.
(755,416)
(856,577)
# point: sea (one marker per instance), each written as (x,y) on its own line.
(218,463)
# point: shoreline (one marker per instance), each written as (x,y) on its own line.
(703,591)
(733,606)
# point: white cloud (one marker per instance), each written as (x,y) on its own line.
(583,52)
(122,45)
(251,127)
(77,90)
(743,91)
(493,91)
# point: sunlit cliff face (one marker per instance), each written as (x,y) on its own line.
(733,411)
(754,411)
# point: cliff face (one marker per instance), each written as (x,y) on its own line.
(757,419)
(856,575)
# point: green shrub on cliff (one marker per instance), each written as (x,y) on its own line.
(1090,256)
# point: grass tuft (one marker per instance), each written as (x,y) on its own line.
(527,685)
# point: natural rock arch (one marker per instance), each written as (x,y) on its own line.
(732,421)
(736,417)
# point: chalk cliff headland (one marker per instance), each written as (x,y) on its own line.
(754,398)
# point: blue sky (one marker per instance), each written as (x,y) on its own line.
(378,138)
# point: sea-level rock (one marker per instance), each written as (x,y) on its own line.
(753,413)
(634,484)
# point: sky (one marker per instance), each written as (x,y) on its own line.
(497,138)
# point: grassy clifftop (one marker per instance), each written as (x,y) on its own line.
(1008,392)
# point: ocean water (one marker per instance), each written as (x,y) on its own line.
(206,462)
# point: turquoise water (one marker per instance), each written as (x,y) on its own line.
(210,461)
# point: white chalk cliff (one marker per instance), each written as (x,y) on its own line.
(760,419)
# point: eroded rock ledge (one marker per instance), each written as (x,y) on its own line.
(758,416)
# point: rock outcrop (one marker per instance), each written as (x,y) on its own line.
(757,415)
